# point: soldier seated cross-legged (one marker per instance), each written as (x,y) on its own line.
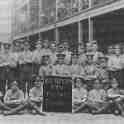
(36,96)
(117,97)
(14,99)
(96,101)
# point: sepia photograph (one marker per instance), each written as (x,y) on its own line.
(61,61)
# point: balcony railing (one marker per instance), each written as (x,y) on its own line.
(58,11)
(102,2)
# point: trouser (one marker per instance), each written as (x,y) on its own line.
(36,68)
(119,77)
(25,76)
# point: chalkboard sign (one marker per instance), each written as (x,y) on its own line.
(57,94)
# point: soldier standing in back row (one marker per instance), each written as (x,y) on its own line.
(25,63)
(9,65)
(37,57)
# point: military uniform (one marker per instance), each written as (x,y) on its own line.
(46,69)
(61,68)
(75,68)
(8,65)
(114,94)
(79,96)
(25,67)
(90,70)
(53,57)
(37,57)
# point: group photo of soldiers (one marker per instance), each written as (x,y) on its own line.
(97,77)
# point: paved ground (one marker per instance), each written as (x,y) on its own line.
(62,119)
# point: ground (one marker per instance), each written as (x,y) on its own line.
(53,118)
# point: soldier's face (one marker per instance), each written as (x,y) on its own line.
(78,83)
(38,83)
(94,47)
(46,45)
(117,51)
(114,85)
(14,87)
(38,46)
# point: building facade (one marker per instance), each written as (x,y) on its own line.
(74,21)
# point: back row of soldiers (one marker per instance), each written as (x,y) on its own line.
(20,63)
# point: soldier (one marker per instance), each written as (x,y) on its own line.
(2,105)
(9,65)
(14,98)
(117,96)
(46,49)
(102,71)
(95,51)
(25,66)
(53,57)
(46,69)
(61,68)
(82,55)
(67,53)
(90,70)
(97,99)
(37,57)
(115,65)
(79,95)
(36,95)
(75,68)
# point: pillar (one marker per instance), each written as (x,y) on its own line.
(90,22)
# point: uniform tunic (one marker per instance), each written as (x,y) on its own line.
(97,95)
(78,95)
(10,95)
(62,70)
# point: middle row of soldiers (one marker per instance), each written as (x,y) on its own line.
(22,64)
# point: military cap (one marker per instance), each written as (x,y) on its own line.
(46,56)
(89,54)
(7,45)
(60,56)
(74,55)
(114,81)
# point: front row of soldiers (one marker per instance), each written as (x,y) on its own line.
(16,102)
(98,100)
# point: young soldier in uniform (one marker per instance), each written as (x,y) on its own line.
(37,57)
(90,70)
(79,95)
(75,68)
(14,98)
(2,105)
(102,71)
(82,56)
(9,65)
(36,95)
(25,63)
(117,96)
(115,65)
(53,57)
(61,68)
(95,51)
(46,69)
(46,49)
(67,53)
